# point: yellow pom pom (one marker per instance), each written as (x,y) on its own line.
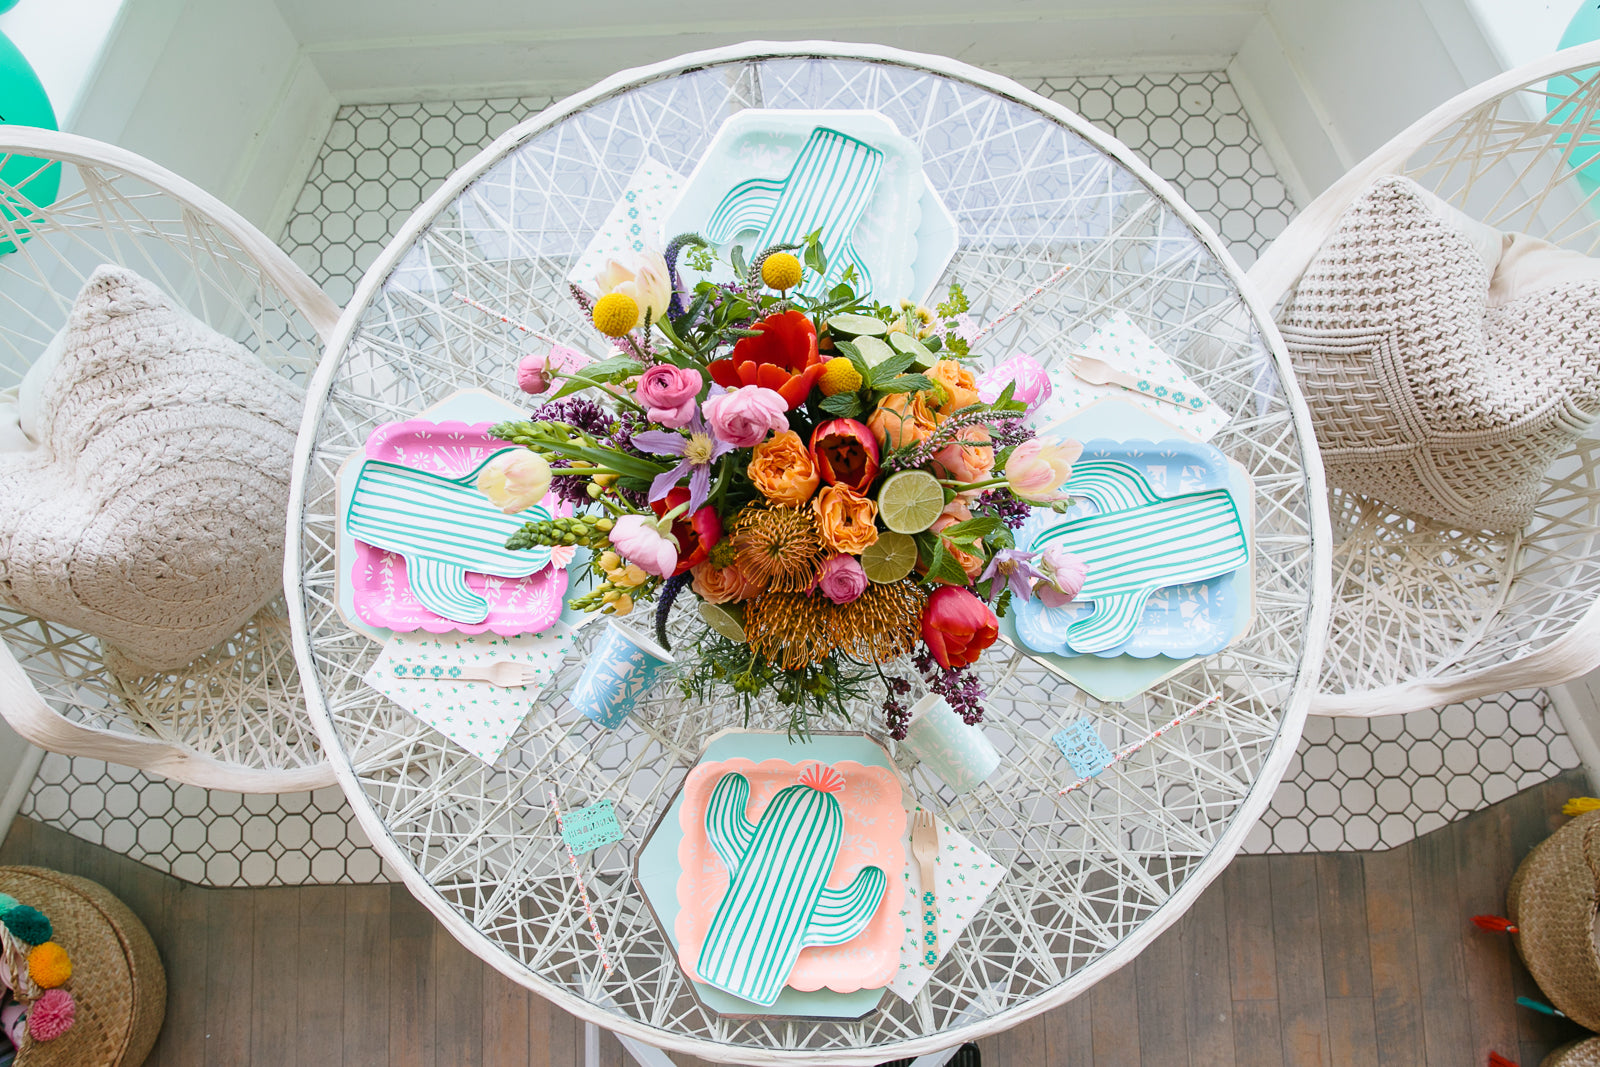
(1579,805)
(49,965)
(781,271)
(839,375)
(615,314)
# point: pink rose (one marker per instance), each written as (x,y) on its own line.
(1064,574)
(1038,469)
(1033,384)
(638,539)
(537,369)
(841,579)
(744,416)
(667,394)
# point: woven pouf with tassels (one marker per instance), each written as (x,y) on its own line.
(117,980)
(1552,901)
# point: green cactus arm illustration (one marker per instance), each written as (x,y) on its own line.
(747,206)
(843,913)
(727,822)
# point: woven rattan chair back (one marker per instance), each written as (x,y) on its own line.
(233,719)
(1425,614)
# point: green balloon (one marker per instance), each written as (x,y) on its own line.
(1584,27)
(23,103)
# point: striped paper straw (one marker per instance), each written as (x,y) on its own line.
(583,890)
(1020,304)
(1143,741)
(471,303)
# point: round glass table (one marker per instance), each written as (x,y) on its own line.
(1089,877)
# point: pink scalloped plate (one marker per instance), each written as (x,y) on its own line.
(874,835)
(381,592)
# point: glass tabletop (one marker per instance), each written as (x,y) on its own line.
(1090,877)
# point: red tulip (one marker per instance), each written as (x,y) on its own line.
(697,534)
(957,626)
(845,453)
(782,358)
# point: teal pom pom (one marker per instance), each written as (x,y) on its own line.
(7,903)
(27,925)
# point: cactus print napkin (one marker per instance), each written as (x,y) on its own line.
(634,223)
(475,715)
(965,874)
(1127,348)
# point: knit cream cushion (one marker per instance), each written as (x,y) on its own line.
(151,514)
(1424,394)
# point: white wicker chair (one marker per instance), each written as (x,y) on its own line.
(233,719)
(1425,615)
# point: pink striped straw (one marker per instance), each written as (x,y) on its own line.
(467,300)
(1020,304)
(583,890)
(1143,741)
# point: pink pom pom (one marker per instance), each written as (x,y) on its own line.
(51,1015)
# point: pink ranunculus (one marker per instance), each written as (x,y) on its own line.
(638,539)
(1064,574)
(841,579)
(744,416)
(1038,469)
(536,371)
(1033,383)
(667,394)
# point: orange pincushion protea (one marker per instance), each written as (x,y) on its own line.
(783,358)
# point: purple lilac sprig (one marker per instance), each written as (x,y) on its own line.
(1011,433)
(895,713)
(917,455)
(1003,503)
(958,685)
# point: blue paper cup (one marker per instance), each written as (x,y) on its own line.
(622,667)
(956,752)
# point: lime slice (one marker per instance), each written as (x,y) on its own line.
(889,558)
(905,344)
(873,351)
(726,619)
(858,325)
(910,501)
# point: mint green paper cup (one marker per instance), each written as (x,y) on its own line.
(956,752)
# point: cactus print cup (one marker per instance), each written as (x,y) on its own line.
(956,752)
(622,667)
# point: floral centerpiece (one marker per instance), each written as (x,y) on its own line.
(825,474)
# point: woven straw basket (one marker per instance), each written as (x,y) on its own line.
(1552,901)
(117,979)
(1584,1053)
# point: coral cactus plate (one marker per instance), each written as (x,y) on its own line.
(872,837)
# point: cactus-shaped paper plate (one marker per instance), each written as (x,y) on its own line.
(783,889)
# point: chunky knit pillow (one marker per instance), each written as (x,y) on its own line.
(1427,394)
(151,512)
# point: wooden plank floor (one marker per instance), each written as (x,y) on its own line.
(1313,959)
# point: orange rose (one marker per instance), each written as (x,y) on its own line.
(845,518)
(955,512)
(902,419)
(969,458)
(958,382)
(719,585)
(781,468)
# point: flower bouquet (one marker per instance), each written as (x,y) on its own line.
(825,474)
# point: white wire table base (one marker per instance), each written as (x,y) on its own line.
(1091,877)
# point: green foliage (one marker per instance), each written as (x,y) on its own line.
(956,304)
(822,689)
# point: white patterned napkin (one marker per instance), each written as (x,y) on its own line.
(634,223)
(1129,349)
(965,875)
(476,715)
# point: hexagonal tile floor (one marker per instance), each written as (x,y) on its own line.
(1356,784)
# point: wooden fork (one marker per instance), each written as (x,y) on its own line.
(925,847)
(507,674)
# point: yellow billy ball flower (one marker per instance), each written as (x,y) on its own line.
(781,271)
(615,314)
(839,375)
